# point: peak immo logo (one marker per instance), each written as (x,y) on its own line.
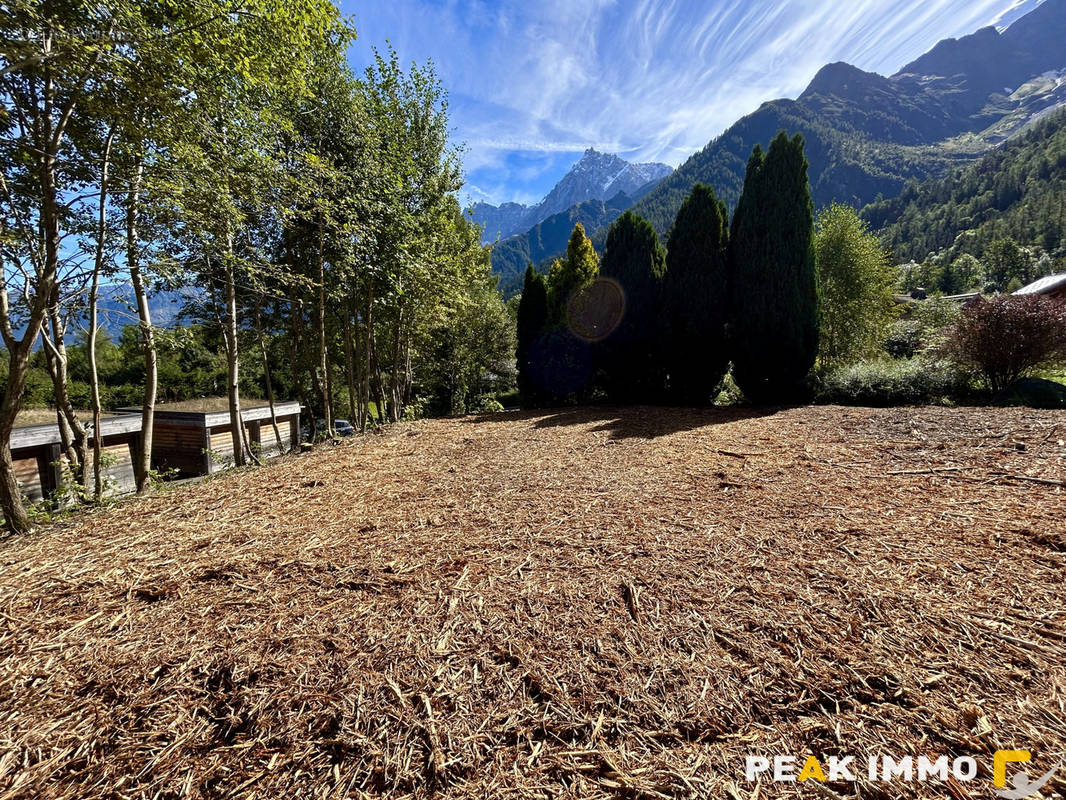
(886,768)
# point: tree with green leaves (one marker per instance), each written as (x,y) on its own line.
(312,212)
(235,158)
(696,296)
(774,331)
(964,274)
(532,322)
(51,58)
(629,353)
(1006,261)
(856,284)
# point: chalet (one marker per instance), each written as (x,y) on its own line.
(1053,286)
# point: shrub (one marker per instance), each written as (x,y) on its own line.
(729,393)
(904,338)
(892,383)
(935,316)
(1008,337)
(485,404)
(926,328)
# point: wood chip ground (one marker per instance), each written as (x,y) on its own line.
(585,603)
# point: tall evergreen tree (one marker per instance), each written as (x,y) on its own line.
(532,322)
(775,291)
(635,261)
(696,299)
(568,275)
(561,362)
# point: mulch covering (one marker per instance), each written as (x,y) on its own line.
(586,603)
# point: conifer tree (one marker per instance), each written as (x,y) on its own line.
(532,321)
(568,275)
(775,294)
(629,355)
(561,363)
(696,299)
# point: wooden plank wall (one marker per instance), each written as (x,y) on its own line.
(29,478)
(269,443)
(179,447)
(222,445)
(120,471)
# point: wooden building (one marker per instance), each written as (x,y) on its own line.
(37,453)
(200,442)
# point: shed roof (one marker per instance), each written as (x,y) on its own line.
(214,419)
(37,435)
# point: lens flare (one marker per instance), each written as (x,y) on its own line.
(595,311)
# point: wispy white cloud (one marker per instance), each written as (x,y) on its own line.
(533,84)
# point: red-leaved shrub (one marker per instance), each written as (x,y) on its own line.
(1008,337)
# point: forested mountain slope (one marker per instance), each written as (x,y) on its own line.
(868,135)
(547,239)
(1017,191)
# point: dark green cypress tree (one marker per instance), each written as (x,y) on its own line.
(774,330)
(532,323)
(696,299)
(629,354)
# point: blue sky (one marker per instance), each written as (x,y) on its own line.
(532,84)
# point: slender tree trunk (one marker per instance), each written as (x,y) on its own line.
(396,378)
(266,375)
(349,361)
(94,297)
(73,435)
(301,350)
(66,437)
(142,464)
(409,379)
(232,364)
(379,386)
(250,454)
(296,363)
(364,380)
(18,521)
(323,350)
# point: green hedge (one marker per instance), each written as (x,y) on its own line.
(916,381)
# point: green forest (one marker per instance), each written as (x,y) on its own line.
(1017,191)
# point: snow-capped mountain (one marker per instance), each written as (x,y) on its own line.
(597,176)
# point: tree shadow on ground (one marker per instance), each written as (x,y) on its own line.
(633,422)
